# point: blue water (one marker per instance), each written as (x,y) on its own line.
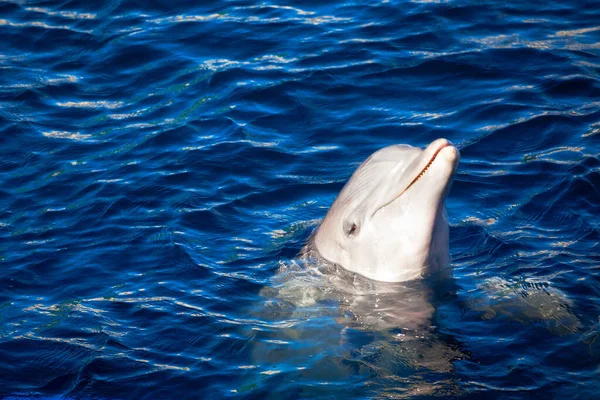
(160,163)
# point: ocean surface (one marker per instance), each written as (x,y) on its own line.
(162,164)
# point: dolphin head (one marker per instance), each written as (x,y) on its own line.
(389,221)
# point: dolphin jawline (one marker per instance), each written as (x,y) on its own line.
(443,143)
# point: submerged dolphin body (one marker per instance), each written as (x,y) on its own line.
(389,222)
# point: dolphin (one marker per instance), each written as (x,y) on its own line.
(389,222)
(351,305)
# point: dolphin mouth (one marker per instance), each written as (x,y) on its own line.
(432,150)
(441,146)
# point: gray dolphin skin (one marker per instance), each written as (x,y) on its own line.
(389,222)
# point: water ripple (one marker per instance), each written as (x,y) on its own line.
(164,163)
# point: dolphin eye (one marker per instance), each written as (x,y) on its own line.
(351,229)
